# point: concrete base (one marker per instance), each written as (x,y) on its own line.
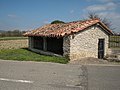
(45,52)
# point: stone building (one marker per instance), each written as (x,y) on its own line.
(75,40)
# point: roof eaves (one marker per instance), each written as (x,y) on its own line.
(108,30)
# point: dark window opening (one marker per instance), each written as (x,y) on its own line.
(55,45)
(38,43)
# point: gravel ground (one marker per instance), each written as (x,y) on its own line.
(13,44)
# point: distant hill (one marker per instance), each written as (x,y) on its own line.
(1,31)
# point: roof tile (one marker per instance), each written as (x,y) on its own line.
(60,30)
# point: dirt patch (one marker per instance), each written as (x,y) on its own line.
(13,44)
(89,60)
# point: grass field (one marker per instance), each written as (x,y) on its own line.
(13,44)
(26,55)
(13,38)
(10,49)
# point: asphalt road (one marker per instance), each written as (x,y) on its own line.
(103,77)
(15,75)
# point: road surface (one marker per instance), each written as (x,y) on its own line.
(15,75)
(103,77)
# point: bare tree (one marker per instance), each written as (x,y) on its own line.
(104,20)
(92,15)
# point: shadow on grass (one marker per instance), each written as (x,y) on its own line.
(45,58)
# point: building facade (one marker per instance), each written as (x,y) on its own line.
(86,44)
(74,40)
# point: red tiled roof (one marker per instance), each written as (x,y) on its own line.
(60,30)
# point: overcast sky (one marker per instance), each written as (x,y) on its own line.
(31,14)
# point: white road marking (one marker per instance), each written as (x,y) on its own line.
(13,80)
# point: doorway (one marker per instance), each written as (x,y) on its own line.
(101,47)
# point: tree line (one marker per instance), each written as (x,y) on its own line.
(14,33)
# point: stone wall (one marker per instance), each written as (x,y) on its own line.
(66,46)
(85,44)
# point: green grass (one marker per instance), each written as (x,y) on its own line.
(26,55)
(12,38)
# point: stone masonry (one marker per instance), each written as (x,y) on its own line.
(84,44)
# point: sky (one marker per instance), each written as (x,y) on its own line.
(30,14)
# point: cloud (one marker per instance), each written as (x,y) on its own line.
(114,17)
(101,0)
(108,6)
(105,0)
(71,11)
(11,15)
(108,10)
(111,15)
(95,8)
(46,22)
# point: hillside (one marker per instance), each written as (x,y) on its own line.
(1,31)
